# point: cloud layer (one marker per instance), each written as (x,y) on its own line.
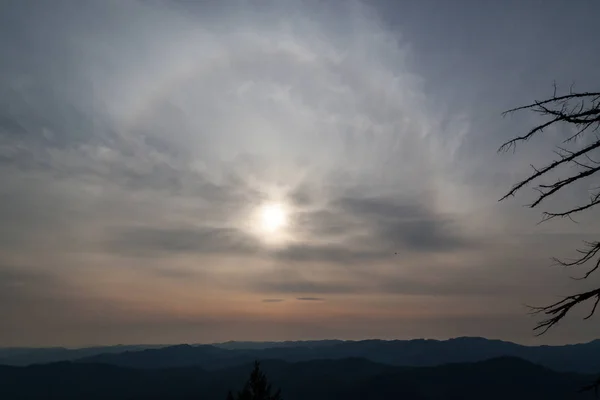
(138,139)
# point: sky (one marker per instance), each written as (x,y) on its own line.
(200,171)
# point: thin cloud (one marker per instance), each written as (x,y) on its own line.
(206,240)
(134,156)
(297,285)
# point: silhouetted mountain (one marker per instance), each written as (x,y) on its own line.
(346,379)
(232,345)
(583,358)
(26,356)
(205,356)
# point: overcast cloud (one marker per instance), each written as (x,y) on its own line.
(138,139)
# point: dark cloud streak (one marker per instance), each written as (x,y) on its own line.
(152,241)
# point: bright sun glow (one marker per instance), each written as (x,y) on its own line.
(273,217)
(272,222)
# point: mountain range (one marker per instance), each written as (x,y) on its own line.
(348,379)
(581,358)
(462,368)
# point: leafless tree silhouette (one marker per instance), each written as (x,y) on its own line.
(579,151)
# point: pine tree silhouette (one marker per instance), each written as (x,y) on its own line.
(256,388)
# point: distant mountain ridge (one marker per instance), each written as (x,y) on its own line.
(347,379)
(21,356)
(582,358)
(233,345)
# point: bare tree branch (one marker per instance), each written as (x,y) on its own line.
(587,255)
(550,167)
(593,202)
(555,99)
(556,186)
(582,111)
(559,310)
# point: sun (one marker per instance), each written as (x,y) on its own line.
(273,217)
(272,222)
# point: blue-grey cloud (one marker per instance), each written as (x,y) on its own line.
(138,138)
(299,285)
(369,229)
(310,299)
(154,240)
(410,225)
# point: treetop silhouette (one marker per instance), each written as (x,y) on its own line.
(257,387)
